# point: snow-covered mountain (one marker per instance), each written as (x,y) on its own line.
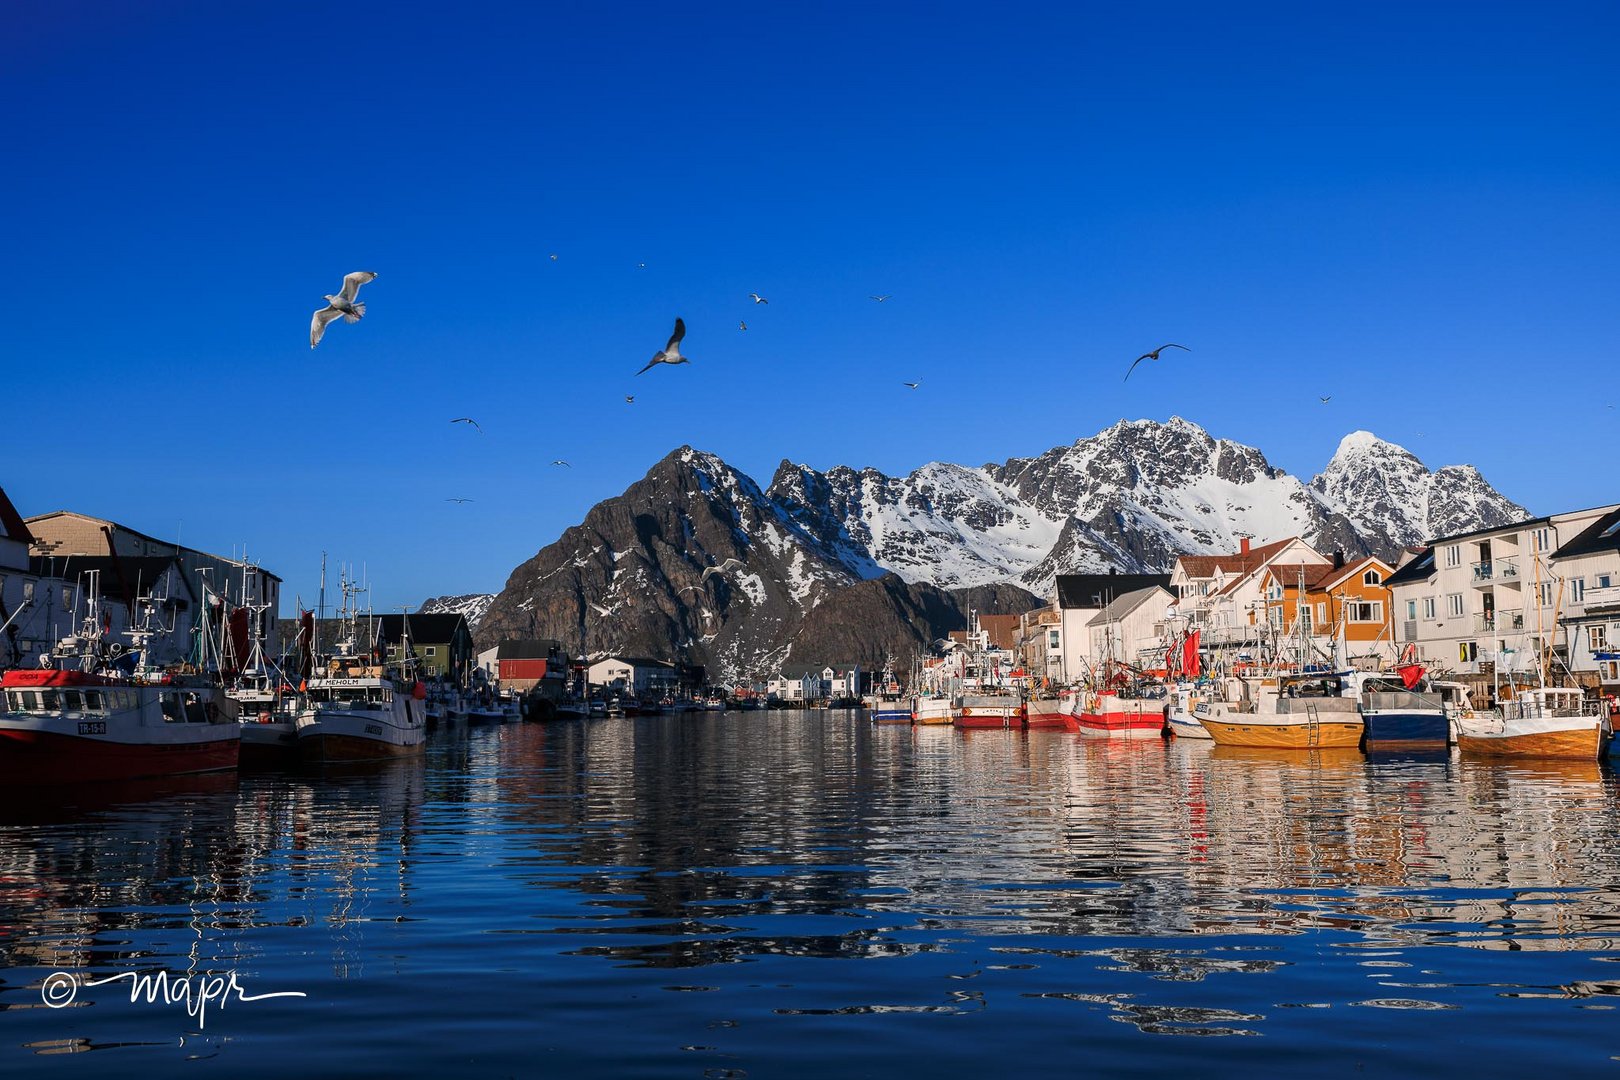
(696,560)
(474,606)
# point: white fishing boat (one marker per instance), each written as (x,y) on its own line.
(1539,722)
(1180,713)
(356,709)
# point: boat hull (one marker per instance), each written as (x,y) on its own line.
(1045,713)
(1406,730)
(982,713)
(1528,740)
(931,711)
(1108,717)
(34,756)
(272,743)
(891,714)
(1280,733)
(1185,726)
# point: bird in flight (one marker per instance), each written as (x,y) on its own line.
(671,352)
(720,569)
(913,385)
(741,325)
(554,258)
(641,266)
(758,299)
(468,420)
(1154,355)
(563,463)
(630,399)
(458,500)
(880,299)
(1327,399)
(343,304)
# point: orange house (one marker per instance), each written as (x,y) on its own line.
(1352,596)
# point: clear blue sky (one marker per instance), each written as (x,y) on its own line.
(1410,207)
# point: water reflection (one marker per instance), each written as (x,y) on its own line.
(1026,871)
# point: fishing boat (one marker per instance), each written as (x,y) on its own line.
(886,703)
(1045,709)
(1299,711)
(266,706)
(1180,715)
(989,710)
(357,709)
(1539,722)
(1400,711)
(95,711)
(932,709)
(1105,714)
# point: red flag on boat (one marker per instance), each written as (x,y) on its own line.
(1411,674)
(1189,655)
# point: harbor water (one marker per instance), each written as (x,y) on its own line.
(765,894)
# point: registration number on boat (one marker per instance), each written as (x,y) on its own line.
(373,729)
(92,727)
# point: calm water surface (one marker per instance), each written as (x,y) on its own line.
(792,894)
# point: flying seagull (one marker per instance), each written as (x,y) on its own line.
(554,258)
(1154,355)
(641,266)
(671,352)
(458,500)
(342,304)
(741,325)
(563,463)
(468,420)
(630,399)
(913,385)
(880,299)
(1327,399)
(719,569)
(758,299)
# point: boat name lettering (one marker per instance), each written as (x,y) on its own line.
(374,729)
(92,727)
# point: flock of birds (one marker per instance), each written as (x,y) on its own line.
(345,305)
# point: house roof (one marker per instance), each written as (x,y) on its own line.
(1349,570)
(1486,532)
(1206,566)
(137,533)
(1602,535)
(1288,574)
(635,661)
(123,577)
(799,671)
(11,522)
(1124,605)
(541,649)
(1095,590)
(1421,568)
(435,629)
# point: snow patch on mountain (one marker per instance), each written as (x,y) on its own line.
(473,607)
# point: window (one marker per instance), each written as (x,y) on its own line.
(1321,613)
(1544,594)
(1454,604)
(1453,555)
(1428,607)
(1372,577)
(432,650)
(1577,590)
(1540,539)
(1411,611)
(1052,639)
(1609,671)
(1467,652)
(1365,611)
(1600,581)
(1597,637)
(28,591)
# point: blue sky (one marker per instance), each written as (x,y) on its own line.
(1409,207)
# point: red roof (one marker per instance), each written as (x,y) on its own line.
(1206,566)
(1287,574)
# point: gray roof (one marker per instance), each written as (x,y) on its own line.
(1124,605)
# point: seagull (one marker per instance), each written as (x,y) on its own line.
(913,385)
(1154,355)
(630,399)
(741,325)
(641,266)
(880,299)
(563,463)
(458,500)
(468,420)
(719,569)
(1327,399)
(554,258)
(606,613)
(671,352)
(342,304)
(758,299)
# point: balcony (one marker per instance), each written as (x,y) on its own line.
(1505,622)
(1605,597)
(1483,572)
(1507,569)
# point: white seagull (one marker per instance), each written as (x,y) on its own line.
(563,463)
(630,399)
(758,299)
(554,258)
(741,325)
(468,420)
(1327,399)
(880,299)
(671,352)
(719,569)
(913,385)
(342,304)
(458,500)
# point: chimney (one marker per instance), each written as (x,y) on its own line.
(1112,570)
(1243,545)
(1338,560)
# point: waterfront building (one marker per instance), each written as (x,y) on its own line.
(1131,628)
(1222,595)
(441,641)
(1351,599)
(1080,597)
(639,675)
